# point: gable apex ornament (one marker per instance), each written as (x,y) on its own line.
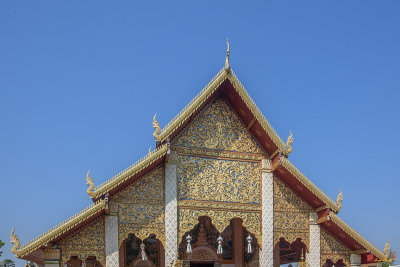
(90,183)
(157,128)
(228,52)
(339,200)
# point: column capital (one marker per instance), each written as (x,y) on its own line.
(313,218)
(172,157)
(266,165)
(52,254)
(355,260)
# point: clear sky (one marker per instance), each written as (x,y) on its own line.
(80,82)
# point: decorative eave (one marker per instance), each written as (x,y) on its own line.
(60,229)
(356,236)
(205,94)
(134,169)
(308,184)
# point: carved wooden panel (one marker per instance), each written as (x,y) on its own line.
(141,208)
(218,127)
(333,249)
(89,241)
(291,215)
(218,180)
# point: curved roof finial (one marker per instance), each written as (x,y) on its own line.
(228,51)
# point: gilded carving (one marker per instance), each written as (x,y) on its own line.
(218,180)
(204,152)
(218,127)
(141,207)
(188,218)
(89,241)
(218,205)
(333,249)
(291,215)
(148,189)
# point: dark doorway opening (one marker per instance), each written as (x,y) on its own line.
(201,264)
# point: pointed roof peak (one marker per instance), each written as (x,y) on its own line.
(228,52)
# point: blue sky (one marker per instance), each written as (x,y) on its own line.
(80,82)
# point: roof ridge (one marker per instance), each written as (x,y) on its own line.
(309,184)
(126,173)
(261,117)
(168,128)
(353,233)
(60,228)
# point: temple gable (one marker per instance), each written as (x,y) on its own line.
(217,127)
(291,214)
(87,242)
(333,250)
(140,207)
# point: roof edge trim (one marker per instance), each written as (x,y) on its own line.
(61,228)
(353,233)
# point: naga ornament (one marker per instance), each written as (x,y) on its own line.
(157,128)
(90,183)
(289,144)
(386,251)
(15,242)
(339,200)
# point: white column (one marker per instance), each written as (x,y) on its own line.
(355,260)
(171,209)
(267,252)
(52,257)
(314,257)
(111,240)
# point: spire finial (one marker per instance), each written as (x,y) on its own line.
(228,51)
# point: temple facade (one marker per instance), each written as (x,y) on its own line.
(218,190)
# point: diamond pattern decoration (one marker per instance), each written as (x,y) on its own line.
(171,214)
(314,257)
(111,238)
(267,252)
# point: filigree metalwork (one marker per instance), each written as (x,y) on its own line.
(90,183)
(218,180)
(89,241)
(157,128)
(188,218)
(14,241)
(218,127)
(339,200)
(333,249)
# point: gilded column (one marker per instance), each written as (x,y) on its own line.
(171,209)
(267,252)
(111,238)
(355,260)
(52,257)
(314,256)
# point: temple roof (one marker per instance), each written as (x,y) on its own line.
(225,84)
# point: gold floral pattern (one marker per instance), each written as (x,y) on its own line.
(141,208)
(218,127)
(333,249)
(89,241)
(188,218)
(218,180)
(291,215)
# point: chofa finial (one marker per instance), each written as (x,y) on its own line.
(339,200)
(386,251)
(228,52)
(14,241)
(157,128)
(90,183)
(289,144)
